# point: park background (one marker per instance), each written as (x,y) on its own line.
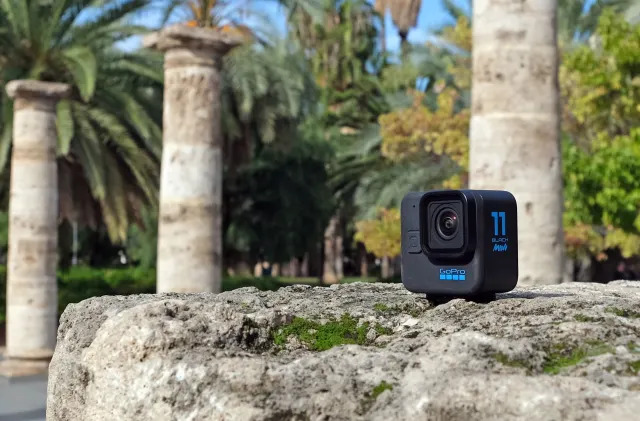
(331,111)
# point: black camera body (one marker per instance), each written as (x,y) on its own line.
(459,243)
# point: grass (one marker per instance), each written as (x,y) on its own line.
(562,357)
(630,314)
(320,337)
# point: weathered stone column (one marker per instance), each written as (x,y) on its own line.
(190,220)
(515,125)
(32,302)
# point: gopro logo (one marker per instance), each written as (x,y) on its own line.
(453,274)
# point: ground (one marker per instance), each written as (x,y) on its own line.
(22,398)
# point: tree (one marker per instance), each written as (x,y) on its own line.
(227,14)
(515,124)
(600,153)
(381,236)
(578,19)
(109,131)
(404,14)
(346,63)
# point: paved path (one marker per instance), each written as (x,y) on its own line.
(23,398)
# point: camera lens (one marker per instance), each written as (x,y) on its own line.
(447,223)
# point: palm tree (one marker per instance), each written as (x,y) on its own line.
(344,58)
(109,129)
(404,14)
(227,13)
(107,143)
(515,126)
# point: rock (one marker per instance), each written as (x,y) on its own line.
(562,352)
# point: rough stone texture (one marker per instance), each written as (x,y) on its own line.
(32,307)
(37,89)
(182,36)
(514,129)
(190,220)
(212,357)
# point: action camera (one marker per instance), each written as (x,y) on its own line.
(459,243)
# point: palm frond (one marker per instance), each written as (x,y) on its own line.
(82,65)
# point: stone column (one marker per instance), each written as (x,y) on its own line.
(190,219)
(32,302)
(515,125)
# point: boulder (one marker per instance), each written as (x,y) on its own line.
(351,352)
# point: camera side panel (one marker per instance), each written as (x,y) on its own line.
(497,239)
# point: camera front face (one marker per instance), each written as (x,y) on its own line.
(445,227)
(459,242)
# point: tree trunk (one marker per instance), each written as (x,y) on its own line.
(329,272)
(339,262)
(515,125)
(384,268)
(190,226)
(32,301)
(364,262)
(304,266)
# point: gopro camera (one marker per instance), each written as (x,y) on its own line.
(459,243)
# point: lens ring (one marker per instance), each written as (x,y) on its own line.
(447,223)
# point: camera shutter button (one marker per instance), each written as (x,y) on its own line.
(413,242)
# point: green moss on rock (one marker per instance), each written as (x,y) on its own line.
(634,366)
(583,318)
(563,356)
(620,312)
(377,391)
(505,360)
(320,337)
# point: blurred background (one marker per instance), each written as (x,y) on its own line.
(331,111)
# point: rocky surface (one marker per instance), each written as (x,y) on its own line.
(563,352)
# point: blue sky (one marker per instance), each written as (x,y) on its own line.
(432,15)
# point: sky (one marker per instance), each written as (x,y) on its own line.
(432,15)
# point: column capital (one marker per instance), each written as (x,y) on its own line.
(36,89)
(210,40)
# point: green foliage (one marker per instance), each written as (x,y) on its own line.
(561,356)
(142,240)
(601,84)
(279,204)
(320,337)
(109,130)
(601,152)
(267,92)
(342,47)
(78,283)
(602,190)
(634,366)
(381,236)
